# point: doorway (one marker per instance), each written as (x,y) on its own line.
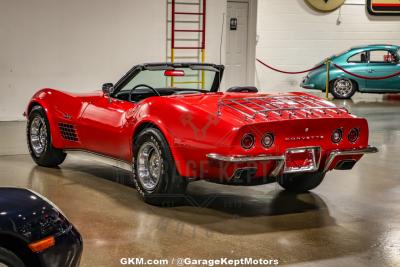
(240,43)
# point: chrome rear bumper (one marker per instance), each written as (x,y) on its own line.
(280,159)
(351,152)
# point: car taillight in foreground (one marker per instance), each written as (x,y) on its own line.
(353,135)
(337,136)
(267,140)
(247,141)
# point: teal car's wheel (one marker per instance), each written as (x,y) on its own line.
(343,88)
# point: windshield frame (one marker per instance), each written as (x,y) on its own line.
(132,73)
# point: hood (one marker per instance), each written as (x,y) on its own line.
(27,215)
(16,201)
(247,108)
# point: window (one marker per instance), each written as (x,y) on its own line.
(381,56)
(192,79)
(358,58)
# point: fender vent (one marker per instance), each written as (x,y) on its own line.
(68,132)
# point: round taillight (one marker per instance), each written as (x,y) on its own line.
(353,135)
(337,136)
(268,140)
(247,141)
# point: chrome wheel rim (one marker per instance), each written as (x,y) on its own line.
(149,164)
(38,135)
(343,87)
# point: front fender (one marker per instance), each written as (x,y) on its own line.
(58,106)
(44,98)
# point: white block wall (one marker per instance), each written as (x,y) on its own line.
(76,45)
(294,37)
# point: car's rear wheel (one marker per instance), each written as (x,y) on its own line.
(343,88)
(9,259)
(155,175)
(39,140)
(301,182)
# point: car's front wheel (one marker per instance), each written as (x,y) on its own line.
(301,182)
(343,88)
(155,175)
(39,140)
(9,259)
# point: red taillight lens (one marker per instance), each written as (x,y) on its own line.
(337,136)
(247,141)
(353,135)
(268,140)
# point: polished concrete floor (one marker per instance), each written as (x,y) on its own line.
(351,219)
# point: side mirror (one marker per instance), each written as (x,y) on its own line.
(107,88)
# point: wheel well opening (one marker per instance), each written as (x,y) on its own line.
(142,127)
(19,248)
(355,83)
(31,106)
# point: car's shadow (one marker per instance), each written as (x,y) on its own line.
(253,216)
(213,207)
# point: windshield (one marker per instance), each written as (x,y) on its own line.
(186,78)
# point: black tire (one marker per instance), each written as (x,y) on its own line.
(301,182)
(343,94)
(9,259)
(171,187)
(50,156)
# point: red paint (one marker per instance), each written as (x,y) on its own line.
(385,5)
(174,73)
(193,129)
(188,13)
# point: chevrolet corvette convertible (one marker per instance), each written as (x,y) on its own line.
(169,124)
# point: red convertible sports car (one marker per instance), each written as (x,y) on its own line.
(169,124)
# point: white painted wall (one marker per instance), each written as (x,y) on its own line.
(294,37)
(76,45)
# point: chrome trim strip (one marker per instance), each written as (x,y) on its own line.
(334,154)
(89,155)
(278,168)
(240,159)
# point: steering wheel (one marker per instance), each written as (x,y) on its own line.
(142,85)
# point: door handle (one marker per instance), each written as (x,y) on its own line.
(371,71)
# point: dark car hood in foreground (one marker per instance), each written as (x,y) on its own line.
(21,210)
(16,200)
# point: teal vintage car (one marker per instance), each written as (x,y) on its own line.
(370,61)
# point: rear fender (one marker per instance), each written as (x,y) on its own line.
(336,74)
(169,136)
(191,133)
